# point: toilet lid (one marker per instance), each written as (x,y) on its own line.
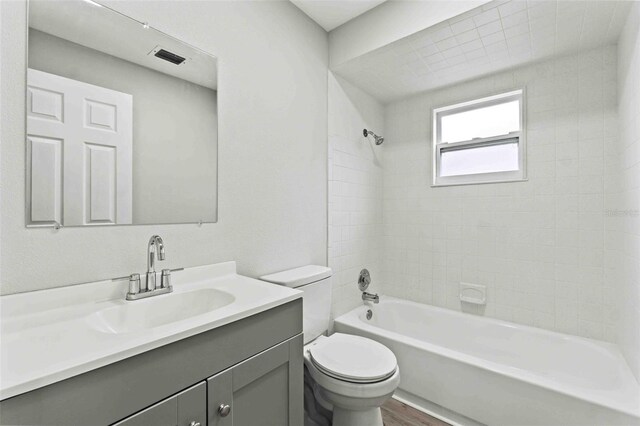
(353,358)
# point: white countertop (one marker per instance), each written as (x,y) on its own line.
(51,335)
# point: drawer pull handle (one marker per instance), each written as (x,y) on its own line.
(224,410)
(194,423)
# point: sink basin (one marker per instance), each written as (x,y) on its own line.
(158,310)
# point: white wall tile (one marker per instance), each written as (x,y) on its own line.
(621,298)
(494,37)
(355,228)
(537,245)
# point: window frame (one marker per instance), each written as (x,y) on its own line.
(479,178)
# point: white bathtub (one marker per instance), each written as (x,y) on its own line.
(500,373)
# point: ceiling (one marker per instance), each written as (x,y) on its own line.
(330,14)
(97,27)
(491,38)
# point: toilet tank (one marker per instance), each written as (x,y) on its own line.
(315,283)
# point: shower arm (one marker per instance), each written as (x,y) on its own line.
(376,138)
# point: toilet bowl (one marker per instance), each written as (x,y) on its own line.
(352,376)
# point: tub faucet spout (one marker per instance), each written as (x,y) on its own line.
(372,297)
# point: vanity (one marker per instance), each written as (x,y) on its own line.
(221,349)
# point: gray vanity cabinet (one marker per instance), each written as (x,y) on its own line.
(254,365)
(188,408)
(262,390)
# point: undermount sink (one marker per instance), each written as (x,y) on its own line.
(159,310)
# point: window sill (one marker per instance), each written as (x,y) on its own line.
(437,185)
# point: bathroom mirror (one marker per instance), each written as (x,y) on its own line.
(121,121)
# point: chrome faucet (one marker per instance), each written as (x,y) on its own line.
(155,246)
(364,279)
(372,297)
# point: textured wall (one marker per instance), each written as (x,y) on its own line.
(355,192)
(622,196)
(272,103)
(537,245)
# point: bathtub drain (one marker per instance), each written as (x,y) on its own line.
(369,314)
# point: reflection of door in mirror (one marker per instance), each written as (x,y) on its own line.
(79,152)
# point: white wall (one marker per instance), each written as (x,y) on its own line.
(537,245)
(355,192)
(390,22)
(622,196)
(272,151)
(174,172)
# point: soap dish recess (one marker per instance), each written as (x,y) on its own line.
(473,293)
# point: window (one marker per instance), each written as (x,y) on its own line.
(479,141)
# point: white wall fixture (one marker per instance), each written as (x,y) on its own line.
(475,294)
(80,143)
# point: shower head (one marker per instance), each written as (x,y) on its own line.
(378,139)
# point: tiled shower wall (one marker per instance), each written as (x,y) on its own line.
(537,245)
(355,192)
(622,196)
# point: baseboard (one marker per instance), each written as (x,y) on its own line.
(434,410)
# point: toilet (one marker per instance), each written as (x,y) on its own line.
(352,376)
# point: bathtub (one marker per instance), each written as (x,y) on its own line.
(499,373)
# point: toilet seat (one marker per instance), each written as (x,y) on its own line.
(353,359)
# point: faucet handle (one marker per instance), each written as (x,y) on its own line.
(134,283)
(165,278)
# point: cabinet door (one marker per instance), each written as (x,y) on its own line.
(187,408)
(265,389)
(161,414)
(192,406)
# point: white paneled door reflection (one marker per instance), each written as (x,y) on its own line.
(79,152)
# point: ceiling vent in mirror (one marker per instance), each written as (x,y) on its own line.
(161,53)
